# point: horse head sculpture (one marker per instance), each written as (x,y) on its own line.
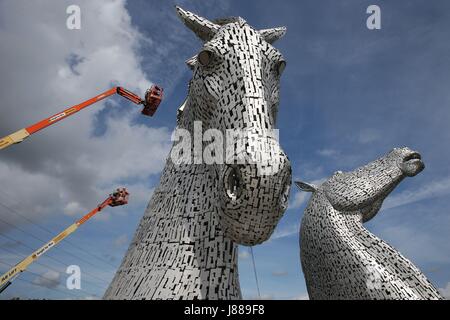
(343,260)
(235,90)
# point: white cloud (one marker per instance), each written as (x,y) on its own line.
(44,68)
(27,191)
(284,232)
(302,296)
(432,189)
(327,152)
(243,253)
(50,279)
(132,151)
(446,291)
(73,208)
(417,245)
(368,135)
(121,240)
(311,170)
(299,199)
(264,296)
(301,196)
(173,46)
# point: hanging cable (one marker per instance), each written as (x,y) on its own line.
(117,198)
(48,256)
(47,288)
(22,255)
(53,232)
(20,205)
(256,275)
(43,241)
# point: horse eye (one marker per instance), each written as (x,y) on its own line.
(280,67)
(205,57)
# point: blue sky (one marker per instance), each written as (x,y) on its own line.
(348,95)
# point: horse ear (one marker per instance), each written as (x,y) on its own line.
(191,62)
(307,187)
(203,28)
(273,34)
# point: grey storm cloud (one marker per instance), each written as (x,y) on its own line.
(69,167)
(69,164)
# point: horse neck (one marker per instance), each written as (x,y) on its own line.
(184,213)
(377,260)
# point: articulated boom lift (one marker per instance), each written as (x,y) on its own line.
(118,198)
(153,98)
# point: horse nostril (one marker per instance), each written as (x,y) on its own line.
(412,156)
(233,185)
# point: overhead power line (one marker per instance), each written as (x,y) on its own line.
(21,256)
(53,232)
(47,288)
(51,257)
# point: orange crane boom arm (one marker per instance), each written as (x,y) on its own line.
(64,114)
(24,133)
